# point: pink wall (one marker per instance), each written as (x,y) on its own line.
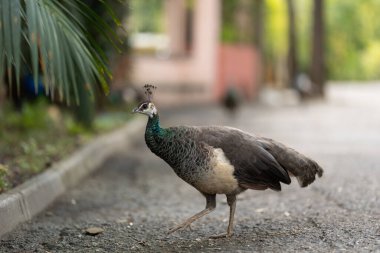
(238,66)
(207,71)
(197,69)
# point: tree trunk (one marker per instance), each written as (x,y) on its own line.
(292,50)
(317,74)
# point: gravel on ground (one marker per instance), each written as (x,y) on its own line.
(134,198)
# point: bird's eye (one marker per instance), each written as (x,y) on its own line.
(144,106)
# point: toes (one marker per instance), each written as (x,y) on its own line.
(173,229)
(182,226)
(218,236)
(224,235)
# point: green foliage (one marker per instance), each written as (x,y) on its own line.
(147,16)
(276,28)
(109,121)
(370,59)
(75,128)
(31,116)
(304,32)
(3,179)
(32,158)
(353,39)
(229,32)
(120,10)
(36,155)
(275,25)
(352,36)
(41,134)
(237,20)
(56,44)
(31,140)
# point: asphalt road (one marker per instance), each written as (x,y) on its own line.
(135,197)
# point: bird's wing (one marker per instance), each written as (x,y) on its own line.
(300,166)
(254,166)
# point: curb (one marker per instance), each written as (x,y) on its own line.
(33,196)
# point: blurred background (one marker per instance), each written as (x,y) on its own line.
(199,51)
(225,52)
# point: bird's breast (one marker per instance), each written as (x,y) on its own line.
(219,179)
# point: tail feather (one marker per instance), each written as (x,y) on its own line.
(298,165)
(307,174)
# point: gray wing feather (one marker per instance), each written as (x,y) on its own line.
(255,167)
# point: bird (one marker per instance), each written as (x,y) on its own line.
(223,160)
(231,100)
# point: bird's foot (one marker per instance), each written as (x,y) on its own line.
(223,235)
(180,226)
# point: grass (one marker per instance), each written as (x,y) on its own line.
(3,174)
(40,135)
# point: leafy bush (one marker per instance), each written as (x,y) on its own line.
(39,135)
(31,116)
(3,180)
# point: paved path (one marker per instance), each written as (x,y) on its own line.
(135,197)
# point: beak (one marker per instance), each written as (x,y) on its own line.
(135,110)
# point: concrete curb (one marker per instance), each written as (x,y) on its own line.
(33,196)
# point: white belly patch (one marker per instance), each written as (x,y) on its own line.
(220,179)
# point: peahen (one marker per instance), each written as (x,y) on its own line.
(223,160)
(231,100)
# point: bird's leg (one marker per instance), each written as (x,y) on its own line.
(231,200)
(210,206)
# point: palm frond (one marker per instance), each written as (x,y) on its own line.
(59,46)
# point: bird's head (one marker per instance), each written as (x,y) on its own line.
(147,108)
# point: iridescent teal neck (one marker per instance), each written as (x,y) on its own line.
(153,125)
(154,134)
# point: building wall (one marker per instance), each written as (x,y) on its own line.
(186,78)
(238,68)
